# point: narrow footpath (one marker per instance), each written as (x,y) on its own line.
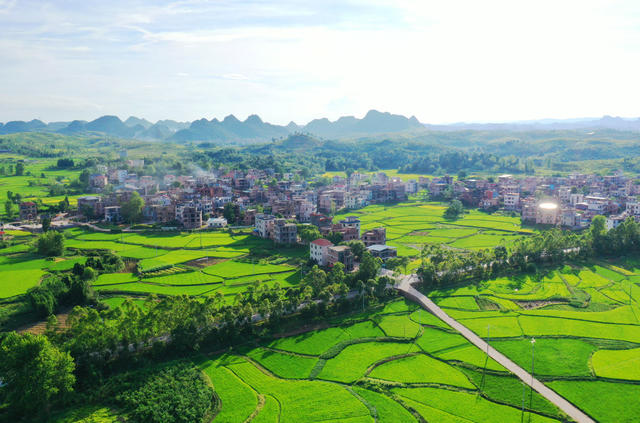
(405,287)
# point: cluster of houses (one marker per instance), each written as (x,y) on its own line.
(271,201)
(568,201)
(323,252)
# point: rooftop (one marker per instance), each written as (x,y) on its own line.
(322,242)
(381,247)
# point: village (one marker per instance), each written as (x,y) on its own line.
(274,205)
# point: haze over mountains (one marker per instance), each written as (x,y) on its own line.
(254,129)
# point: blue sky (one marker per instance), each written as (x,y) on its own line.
(293,60)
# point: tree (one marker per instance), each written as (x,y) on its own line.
(8,208)
(46,223)
(50,244)
(598,232)
(84,177)
(132,210)
(35,372)
(229,213)
(19,169)
(454,210)
(335,237)
(88,274)
(308,233)
(357,248)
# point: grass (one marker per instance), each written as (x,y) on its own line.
(234,269)
(414,224)
(509,389)
(617,364)
(470,354)
(399,326)
(16,282)
(553,357)
(604,401)
(421,369)
(423,317)
(540,325)
(317,342)
(143,287)
(88,414)
(238,399)
(442,405)
(303,400)
(270,411)
(435,340)
(287,366)
(114,278)
(387,410)
(352,362)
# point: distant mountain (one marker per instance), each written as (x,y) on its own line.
(21,126)
(254,130)
(231,129)
(605,122)
(110,125)
(133,121)
(173,125)
(374,122)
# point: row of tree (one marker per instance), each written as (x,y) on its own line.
(443,267)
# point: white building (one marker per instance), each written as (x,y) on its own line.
(512,201)
(319,251)
(217,222)
(411,187)
(633,209)
(264,224)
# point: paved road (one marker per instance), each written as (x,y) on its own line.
(404,285)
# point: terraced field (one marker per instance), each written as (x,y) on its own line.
(411,225)
(385,366)
(180,263)
(586,322)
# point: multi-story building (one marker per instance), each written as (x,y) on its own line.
(342,254)
(112,214)
(285,233)
(319,251)
(28,210)
(90,204)
(190,216)
(264,224)
(216,222)
(547,213)
(383,251)
(375,236)
(351,222)
(512,201)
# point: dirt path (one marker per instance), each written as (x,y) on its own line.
(404,285)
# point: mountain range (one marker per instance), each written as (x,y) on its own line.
(255,130)
(230,129)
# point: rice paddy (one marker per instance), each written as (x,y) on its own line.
(412,225)
(585,319)
(369,370)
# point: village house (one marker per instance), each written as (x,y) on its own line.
(319,251)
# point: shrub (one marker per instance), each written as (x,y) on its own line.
(50,244)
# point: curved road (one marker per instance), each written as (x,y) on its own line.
(404,285)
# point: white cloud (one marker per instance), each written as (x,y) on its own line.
(442,61)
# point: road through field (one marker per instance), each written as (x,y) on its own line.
(404,285)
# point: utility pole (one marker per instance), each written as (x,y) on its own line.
(533,353)
(486,360)
(523,391)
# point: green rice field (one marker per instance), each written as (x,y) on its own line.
(368,369)
(585,319)
(411,225)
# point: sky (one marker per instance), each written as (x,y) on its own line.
(442,61)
